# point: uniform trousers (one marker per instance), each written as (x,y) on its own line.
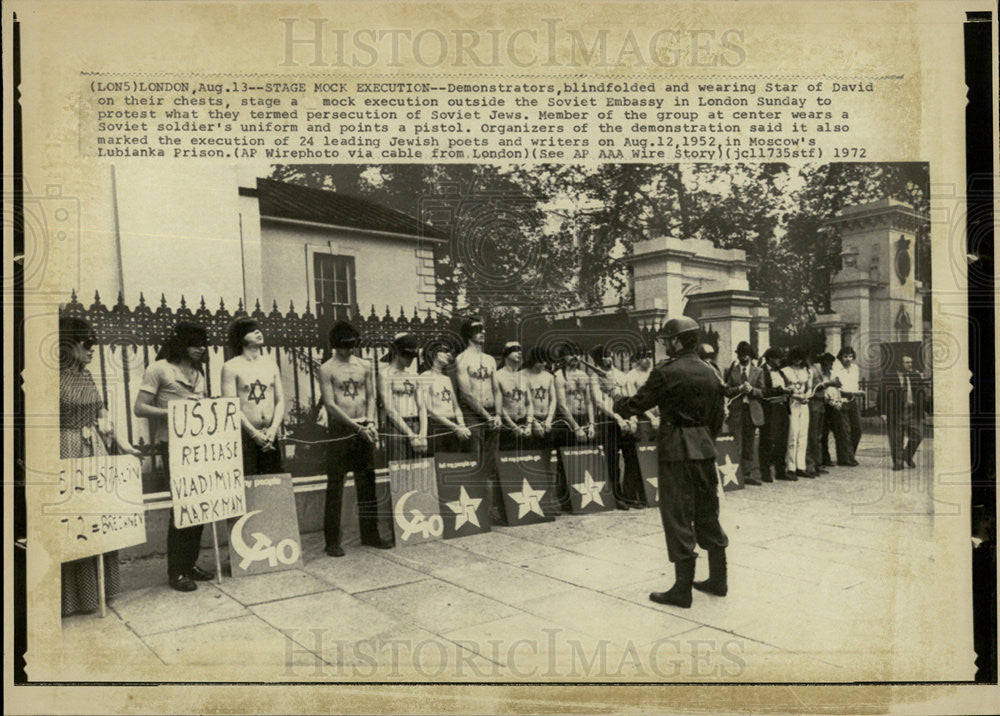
(689,507)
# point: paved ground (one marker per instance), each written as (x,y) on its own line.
(821,574)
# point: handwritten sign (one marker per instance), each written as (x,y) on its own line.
(266,538)
(206,460)
(99,506)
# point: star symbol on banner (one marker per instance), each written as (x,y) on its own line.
(258,392)
(656,486)
(590,490)
(464,508)
(728,472)
(527,500)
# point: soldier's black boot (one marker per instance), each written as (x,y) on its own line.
(716,583)
(678,595)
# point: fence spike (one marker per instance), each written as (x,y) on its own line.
(142,299)
(97,297)
(72,296)
(373,314)
(163,301)
(202,302)
(222,305)
(183,302)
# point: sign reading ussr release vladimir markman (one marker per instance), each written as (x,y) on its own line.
(206,460)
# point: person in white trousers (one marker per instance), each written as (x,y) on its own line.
(796,376)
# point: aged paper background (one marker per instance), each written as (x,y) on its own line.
(921,42)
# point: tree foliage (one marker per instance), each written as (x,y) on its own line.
(526,239)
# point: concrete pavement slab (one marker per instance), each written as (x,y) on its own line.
(360,571)
(504,546)
(246,642)
(429,557)
(328,617)
(584,571)
(618,550)
(502,582)
(160,608)
(258,588)
(437,606)
(607,617)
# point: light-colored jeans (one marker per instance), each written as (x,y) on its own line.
(798,436)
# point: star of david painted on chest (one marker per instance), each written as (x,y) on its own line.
(258,392)
(516,395)
(445,395)
(406,389)
(481,373)
(351,388)
(540,393)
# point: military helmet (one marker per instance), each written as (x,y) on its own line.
(676,326)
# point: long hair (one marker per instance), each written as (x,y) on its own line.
(184,336)
(72,330)
(238,331)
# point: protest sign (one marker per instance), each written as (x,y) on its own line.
(586,471)
(266,538)
(463,494)
(649,469)
(416,514)
(206,460)
(99,506)
(526,484)
(727,462)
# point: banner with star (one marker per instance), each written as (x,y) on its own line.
(649,470)
(586,471)
(727,461)
(463,494)
(526,483)
(416,513)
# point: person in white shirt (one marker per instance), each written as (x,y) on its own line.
(796,376)
(846,372)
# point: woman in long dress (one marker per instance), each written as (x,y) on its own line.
(85,430)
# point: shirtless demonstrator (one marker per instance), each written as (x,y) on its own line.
(349,397)
(514,405)
(446,430)
(253,377)
(479,396)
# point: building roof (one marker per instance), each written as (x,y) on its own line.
(282,200)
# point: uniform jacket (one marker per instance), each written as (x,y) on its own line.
(688,393)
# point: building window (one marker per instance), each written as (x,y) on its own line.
(335,289)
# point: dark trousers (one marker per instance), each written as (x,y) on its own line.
(397,445)
(625,484)
(774,438)
(689,507)
(257,461)
(743,428)
(353,454)
(850,415)
(814,448)
(905,435)
(484,444)
(511,440)
(444,438)
(833,422)
(183,546)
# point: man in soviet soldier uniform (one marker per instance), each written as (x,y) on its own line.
(689,394)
